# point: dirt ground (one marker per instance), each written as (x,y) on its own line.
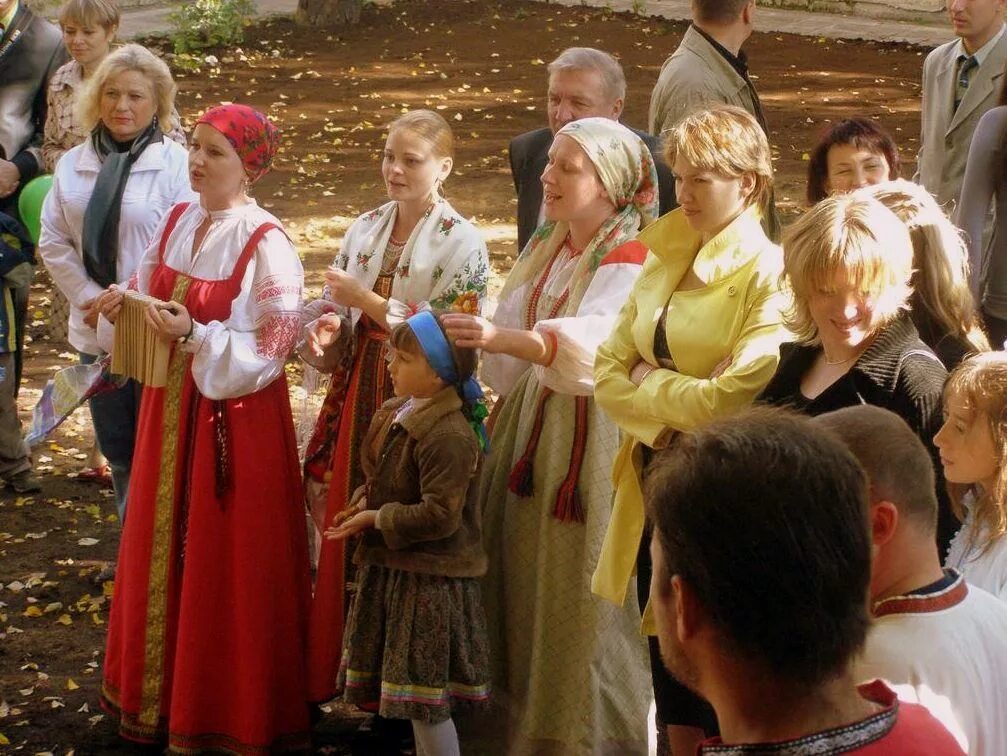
(482,65)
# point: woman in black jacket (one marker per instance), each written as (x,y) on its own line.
(849,262)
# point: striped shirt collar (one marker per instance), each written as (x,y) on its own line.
(925,603)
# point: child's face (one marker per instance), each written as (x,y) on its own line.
(412,375)
(965,441)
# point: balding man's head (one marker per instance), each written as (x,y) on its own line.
(897,464)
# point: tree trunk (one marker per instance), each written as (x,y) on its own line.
(328,12)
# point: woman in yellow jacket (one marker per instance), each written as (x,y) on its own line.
(698,339)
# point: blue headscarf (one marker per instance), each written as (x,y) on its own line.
(435,346)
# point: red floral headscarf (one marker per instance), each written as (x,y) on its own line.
(252,135)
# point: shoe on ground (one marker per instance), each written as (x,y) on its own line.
(106,573)
(24,482)
(102,475)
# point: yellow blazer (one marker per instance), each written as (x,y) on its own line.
(738,313)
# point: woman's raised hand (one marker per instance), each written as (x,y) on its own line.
(170,322)
(322,333)
(344,289)
(473,331)
(109,303)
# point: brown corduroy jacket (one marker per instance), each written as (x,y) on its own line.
(422,476)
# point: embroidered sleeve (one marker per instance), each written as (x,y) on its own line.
(577,338)
(278,315)
(246,352)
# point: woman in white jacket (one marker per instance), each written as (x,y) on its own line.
(109,194)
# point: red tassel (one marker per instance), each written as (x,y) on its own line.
(521,476)
(520,482)
(568,507)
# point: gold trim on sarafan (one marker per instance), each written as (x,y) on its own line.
(161,543)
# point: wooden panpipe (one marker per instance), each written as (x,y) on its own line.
(138,352)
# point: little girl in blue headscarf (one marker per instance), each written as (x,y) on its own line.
(416,636)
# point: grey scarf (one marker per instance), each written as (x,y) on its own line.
(100,238)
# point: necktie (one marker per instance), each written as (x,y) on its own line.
(966,63)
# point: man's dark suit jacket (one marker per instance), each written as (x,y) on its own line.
(529,155)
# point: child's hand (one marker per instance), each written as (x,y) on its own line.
(359,522)
(343,515)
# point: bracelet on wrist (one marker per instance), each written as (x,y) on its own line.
(192,327)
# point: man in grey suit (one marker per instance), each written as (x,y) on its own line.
(583,83)
(710,68)
(961,81)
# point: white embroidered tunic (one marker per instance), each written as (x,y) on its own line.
(247,351)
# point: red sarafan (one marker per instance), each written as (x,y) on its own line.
(207,634)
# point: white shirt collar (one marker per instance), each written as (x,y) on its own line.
(981,54)
(152,158)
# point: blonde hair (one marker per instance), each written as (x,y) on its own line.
(103,13)
(130,57)
(940,258)
(429,126)
(980,382)
(726,140)
(850,233)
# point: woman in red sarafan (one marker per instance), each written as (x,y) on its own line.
(207,634)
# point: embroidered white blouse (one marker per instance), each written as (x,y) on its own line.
(245,352)
(577,338)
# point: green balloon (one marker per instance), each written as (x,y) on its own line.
(29,204)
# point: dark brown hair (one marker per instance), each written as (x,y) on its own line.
(466,359)
(718,11)
(764,518)
(860,132)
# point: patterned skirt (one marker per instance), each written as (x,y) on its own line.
(416,643)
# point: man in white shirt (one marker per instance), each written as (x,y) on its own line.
(961,81)
(938,641)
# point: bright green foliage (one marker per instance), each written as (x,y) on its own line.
(200,24)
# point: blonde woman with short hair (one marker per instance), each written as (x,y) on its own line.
(849,264)
(89,28)
(941,305)
(107,198)
(698,339)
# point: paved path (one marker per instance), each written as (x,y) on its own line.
(144,21)
(833,25)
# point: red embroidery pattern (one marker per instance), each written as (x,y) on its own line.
(275,287)
(276,336)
